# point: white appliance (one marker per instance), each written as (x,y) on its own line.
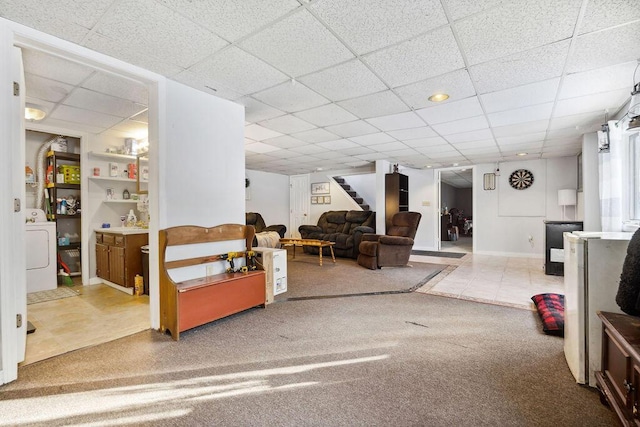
(592,267)
(41,252)
(274,262)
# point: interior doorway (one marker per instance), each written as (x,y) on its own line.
(456,210)
(95,111)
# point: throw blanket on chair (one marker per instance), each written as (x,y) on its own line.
(267,239)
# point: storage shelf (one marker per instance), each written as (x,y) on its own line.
(69,246)
(61,155)
(112,178)
(65,186)
(115,156)
(60,216)
(121,201)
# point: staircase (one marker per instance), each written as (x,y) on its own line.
(347,188)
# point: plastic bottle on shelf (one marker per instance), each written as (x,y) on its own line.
(131,219)
(30,177)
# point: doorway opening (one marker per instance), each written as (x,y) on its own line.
(456,210)
(96,113)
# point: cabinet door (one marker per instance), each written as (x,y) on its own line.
(617,367)
(116,265)
(102,261)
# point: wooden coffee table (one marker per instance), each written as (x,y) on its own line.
(320,244)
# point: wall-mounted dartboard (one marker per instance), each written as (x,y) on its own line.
(521,179)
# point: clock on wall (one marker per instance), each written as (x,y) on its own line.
(521,179)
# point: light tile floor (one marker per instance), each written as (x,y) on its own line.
(99,314)
(492,279)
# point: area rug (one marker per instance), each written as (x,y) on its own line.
(307,280)
(439,254)
(53,294)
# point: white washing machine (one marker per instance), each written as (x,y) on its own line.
(41,252)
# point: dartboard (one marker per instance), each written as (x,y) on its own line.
(521,179)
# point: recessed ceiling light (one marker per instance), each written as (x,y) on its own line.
(462,170)
(522,154)
(33,112)
(438,97)
(429,166)
(455,164)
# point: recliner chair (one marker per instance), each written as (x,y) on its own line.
(392,249)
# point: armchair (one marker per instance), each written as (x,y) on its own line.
(392,249)
(255,219)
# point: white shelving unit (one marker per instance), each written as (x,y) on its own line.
(115,157)
(120,201)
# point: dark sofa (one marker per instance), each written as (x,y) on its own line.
(255,219)
(345,228)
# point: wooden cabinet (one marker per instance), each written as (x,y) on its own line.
(619,377)
(119,257)
(396,195)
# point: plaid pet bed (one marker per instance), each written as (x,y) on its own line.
(551,310)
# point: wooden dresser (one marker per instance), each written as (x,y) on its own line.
(619,379)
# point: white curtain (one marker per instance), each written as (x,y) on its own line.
(613,168)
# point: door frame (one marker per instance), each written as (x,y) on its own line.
(438,222)
(299,195)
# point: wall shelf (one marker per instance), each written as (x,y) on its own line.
(120,201)
(111,178)
(116,157)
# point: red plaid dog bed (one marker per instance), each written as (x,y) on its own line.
(551,310)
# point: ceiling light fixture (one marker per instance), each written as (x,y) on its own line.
(522,154)
(455,164)
(438,97)
(33,112)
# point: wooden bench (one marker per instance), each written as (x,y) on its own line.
(195,302)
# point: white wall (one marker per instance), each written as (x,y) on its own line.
(591,183)
(505,218)
(268,194)
(423,191)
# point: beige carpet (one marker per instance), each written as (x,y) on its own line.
(307,279)
(53,294)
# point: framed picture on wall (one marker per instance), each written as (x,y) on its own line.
(314,200)
(327,200)
(320,188)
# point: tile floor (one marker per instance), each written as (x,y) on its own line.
(99,314)
(492,279)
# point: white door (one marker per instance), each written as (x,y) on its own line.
(13,290)
(299,199)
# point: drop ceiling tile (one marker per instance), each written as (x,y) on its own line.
(118,87)
(55,68)
(456,84)
(451,111)
(389,146)
(148,26)
(338,144)
(232,23)
(476,135)
(287,124)
(425,142)
(256,111)
(483,144)
(599,80)
(521,96)
(461,8)
(206,85)
(413,133)
(69,23)
(349,80)
(143,117)
(130,127)
(374,105)
(465,125)
(367,25)
(373,157)
(445,156)
(534,65)
(372,139)
(520,139)
(418,59)
(239,71)
(259,133)
(94,101)
(297,45)
(122,50)
(521,115)
(479,151)
(261,147)
(516,26)
(45,89)
(357,151)
(592,103)
(520,128)
(315,135)
(604,48)
(397,121)
(291,97)
(89,118)
(331,155)
(285,141)
(400,154)
(565,133)
(562,142)
(577,121)
(435,149)
(602,14)
(309,149)
(326,115)
(73,124)
(355,128)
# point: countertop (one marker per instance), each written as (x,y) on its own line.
(123,230)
